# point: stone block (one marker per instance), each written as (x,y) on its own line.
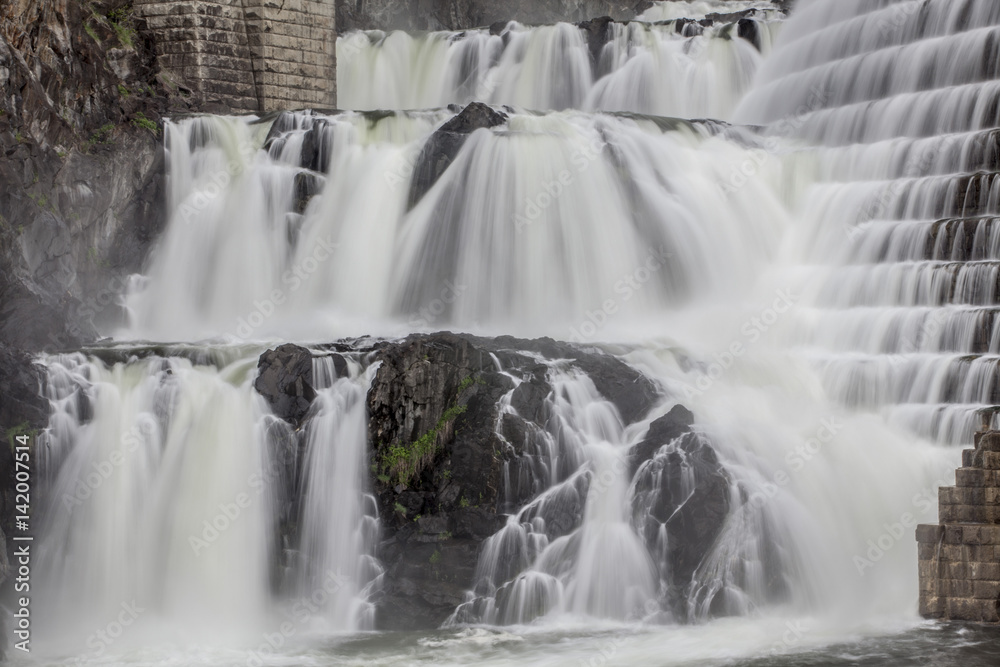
(983,571)
(985,590)
(932,606)
(930,533)
(955,588)
(968,609)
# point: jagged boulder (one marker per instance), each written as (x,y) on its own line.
(284,379)
(439,461)
(681,485)
(443,146)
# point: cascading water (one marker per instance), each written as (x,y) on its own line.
(818,287)
(669,68)
(900,99)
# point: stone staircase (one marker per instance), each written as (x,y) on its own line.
(960,558)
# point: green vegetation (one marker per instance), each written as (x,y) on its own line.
(402,463)
(24,428)
(463,502)
(140,120)
(465,384)
(121,21)
(123,91)
(89,29)
(435,557)
(400,510)
(42,202)
(100,136)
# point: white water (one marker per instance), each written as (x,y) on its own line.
(164,501)
(807,306)
(644,68)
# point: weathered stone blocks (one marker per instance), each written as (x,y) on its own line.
(226,51)
(959,560)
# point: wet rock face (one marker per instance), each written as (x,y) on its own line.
(439,462)
(680,486)
(443,146)
(82,169)
(284,379)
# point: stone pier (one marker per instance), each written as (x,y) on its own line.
(247,55)
(960,557)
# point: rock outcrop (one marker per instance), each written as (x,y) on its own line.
(438,459)
(680,486)
(285,379)
(443,146)
(81,169)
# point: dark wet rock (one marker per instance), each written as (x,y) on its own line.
(306,186)
(672,425)
(284,379)
(749,30)
(315,156)
(684,487)
(439,462)
(598,32)
(82,176)
(443,146)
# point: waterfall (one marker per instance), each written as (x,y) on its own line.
(476,251)
(790,227)
(669,68)
(339,520)
(166,476)
(894,105)
(157,494)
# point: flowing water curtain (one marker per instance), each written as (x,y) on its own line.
(161,501)
(641,67)
(339,516)
(537,223)
(894,106)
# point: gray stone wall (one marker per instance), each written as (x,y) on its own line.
(960,558)
(246,55)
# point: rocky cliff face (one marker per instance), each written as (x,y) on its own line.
(81,166)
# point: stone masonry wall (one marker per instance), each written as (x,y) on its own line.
(246,55)
(960,558)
